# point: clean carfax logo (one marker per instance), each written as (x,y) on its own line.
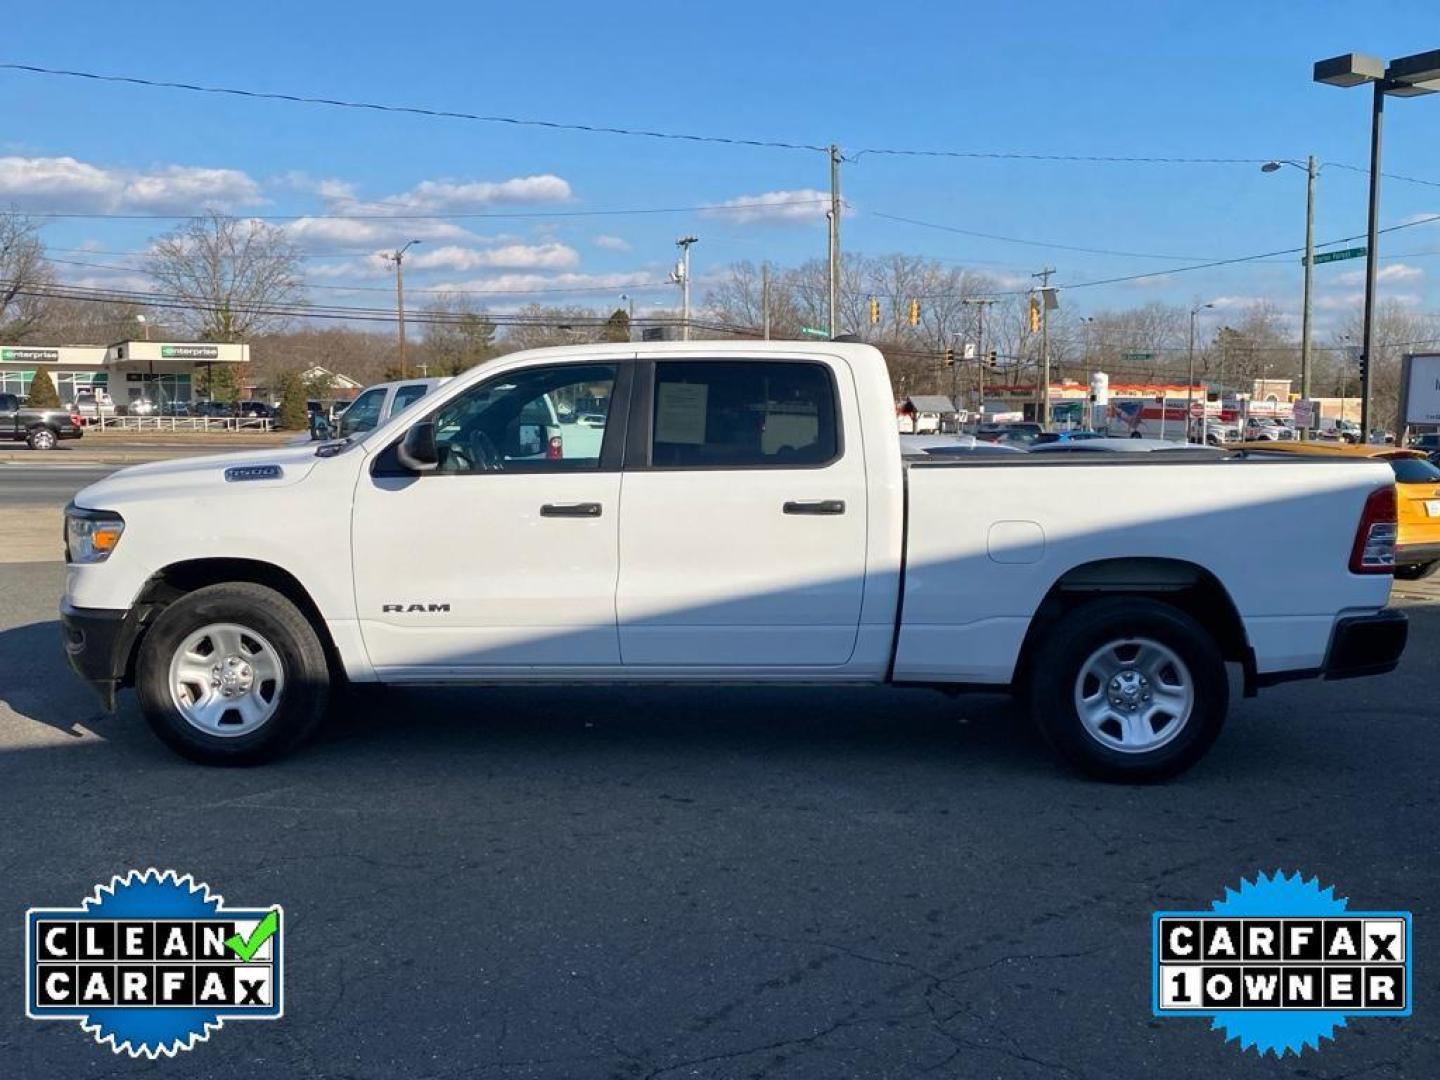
(153,962)
(1280,963)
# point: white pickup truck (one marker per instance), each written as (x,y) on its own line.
(728,512)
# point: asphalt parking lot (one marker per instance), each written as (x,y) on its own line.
(669,883)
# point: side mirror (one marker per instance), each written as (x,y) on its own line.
(417,450)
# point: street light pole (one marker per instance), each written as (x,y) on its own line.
(1372,241)
(1408,76)
(1312,170)
(1190,388)
(398,258)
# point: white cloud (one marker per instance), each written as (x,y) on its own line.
(314,233)
(66,183)
(1392,272)
(1340,301)
(440,196)
(611,243)
(547,256)
(774,207)
(551,282)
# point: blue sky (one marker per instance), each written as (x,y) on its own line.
(1223,79)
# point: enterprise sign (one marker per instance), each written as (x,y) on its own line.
(23,355)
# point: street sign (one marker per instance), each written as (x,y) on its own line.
(1138,356)
(813,332)
(1336,256)
(1197,410)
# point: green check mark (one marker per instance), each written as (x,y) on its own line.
(244,948)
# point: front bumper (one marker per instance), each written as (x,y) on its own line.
(98,643)
(1366,644)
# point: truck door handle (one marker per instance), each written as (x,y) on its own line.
(816,506)
(580,510)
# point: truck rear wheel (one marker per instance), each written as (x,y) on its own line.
(1129,689)
(40,438)
(232,674)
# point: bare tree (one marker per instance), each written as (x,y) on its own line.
(458,334)
(234,276)
(22,269)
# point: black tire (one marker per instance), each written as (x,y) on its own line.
(302,700)
(41,438)
(1415,571)
(1057,663)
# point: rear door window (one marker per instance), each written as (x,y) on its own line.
(407,396)
(742,415)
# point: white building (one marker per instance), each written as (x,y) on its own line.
(158,371)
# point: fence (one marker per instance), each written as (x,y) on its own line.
(181,423)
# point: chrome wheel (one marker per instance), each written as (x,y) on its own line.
(44,439)
(1134,695)
(226,679)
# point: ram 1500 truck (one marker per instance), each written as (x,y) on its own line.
(40,428)
(729,513)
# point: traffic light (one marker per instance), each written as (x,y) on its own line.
(992,361)
(874,311)
(949,356)
(1363,364)
(914,312)
(1034,313)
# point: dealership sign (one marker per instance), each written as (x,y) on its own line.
(189,352)
(1420,389)
(30,355)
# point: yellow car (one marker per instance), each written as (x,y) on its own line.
(1417,496)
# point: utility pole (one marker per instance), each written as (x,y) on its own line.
(398,258)
(834,217)
(1190,388)
(765,298)
(1044,412)
(980,357)
(681,276)
(1310,172)
(1372,260)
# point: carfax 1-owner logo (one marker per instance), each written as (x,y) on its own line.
(1280,964)
(154,962)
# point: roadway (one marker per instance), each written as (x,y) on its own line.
(671,883)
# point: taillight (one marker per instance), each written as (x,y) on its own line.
(75,419)
(556,449)
(1374,549)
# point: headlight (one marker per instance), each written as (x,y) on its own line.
(91,535)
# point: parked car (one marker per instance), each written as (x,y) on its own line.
(1428,442)
(260,410)
(943,446)
(140,407)
(92,405)
(1417,497)
(376,404)
(176,408)
(213,410)
(1074,435)
(40,428)
(770,531)
(1111,444)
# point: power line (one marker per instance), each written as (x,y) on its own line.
(598,129)
(647,285)
(1102,159)
(1029,243)
(412,110)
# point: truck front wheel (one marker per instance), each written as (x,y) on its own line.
(1129,689)
(232,674)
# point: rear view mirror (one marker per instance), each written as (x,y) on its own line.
(417,450)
